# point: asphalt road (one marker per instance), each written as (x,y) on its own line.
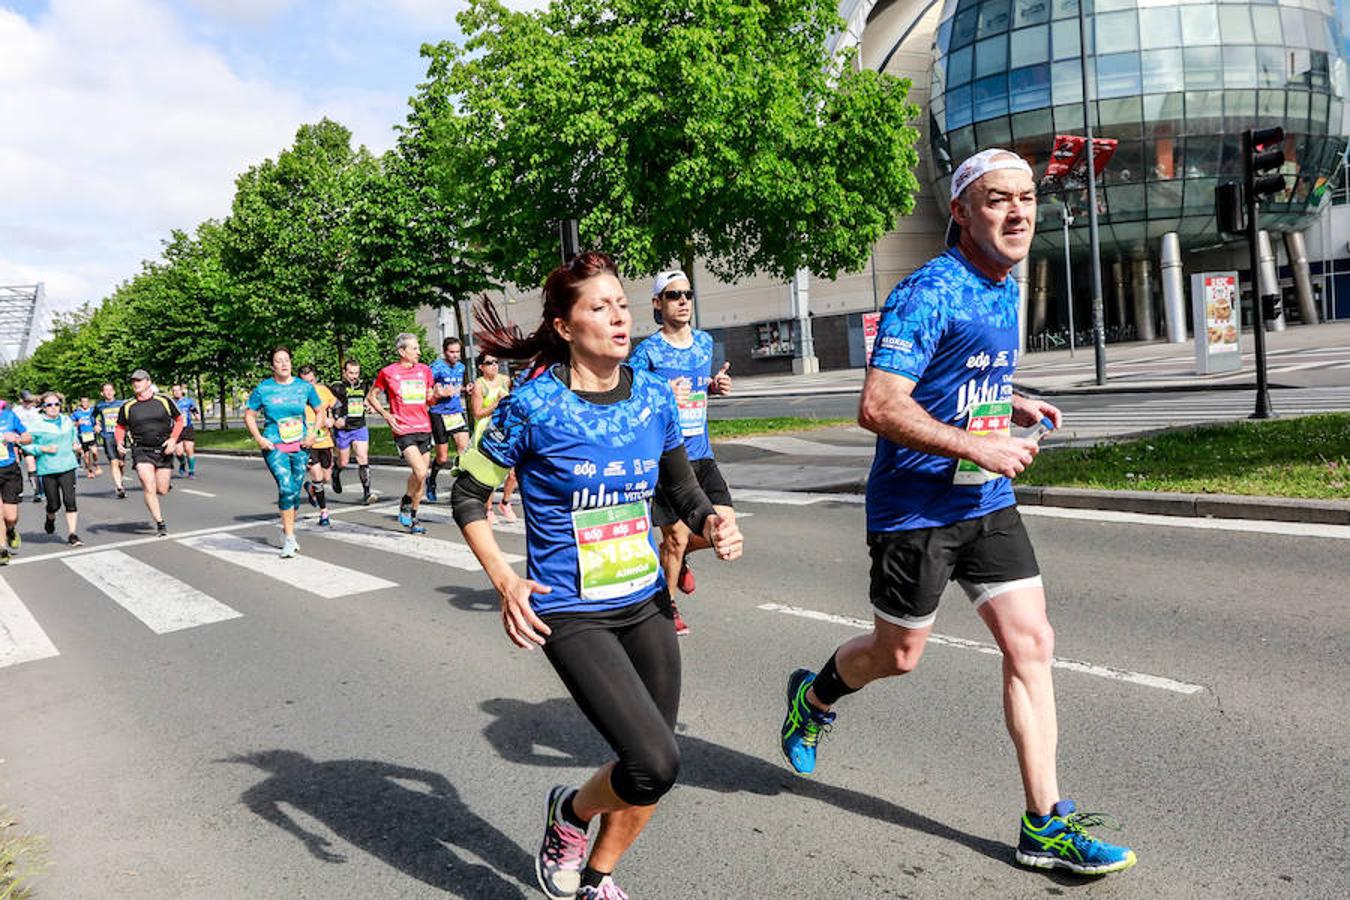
(389,742)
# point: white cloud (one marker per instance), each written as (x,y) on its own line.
(244,12)
(120,126)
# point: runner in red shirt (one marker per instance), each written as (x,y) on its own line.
(409,386)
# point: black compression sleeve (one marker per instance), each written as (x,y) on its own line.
(680,486)
(468,499)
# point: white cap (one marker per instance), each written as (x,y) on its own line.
(665,278)
(984,162)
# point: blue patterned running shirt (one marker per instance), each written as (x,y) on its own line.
(443,374)
(587,473)
(953,332)
(657,354)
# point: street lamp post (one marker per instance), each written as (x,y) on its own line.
(1067,216)
(1098,312)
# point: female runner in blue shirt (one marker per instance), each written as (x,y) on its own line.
(589,438)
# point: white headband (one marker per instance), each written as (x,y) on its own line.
(983,163)
(665,278)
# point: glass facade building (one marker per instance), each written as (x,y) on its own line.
(1174,82)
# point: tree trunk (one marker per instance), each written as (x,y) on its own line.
(198,379)
(220,374)
(341,354)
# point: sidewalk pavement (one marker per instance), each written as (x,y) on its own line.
(836,460)
(1300,356)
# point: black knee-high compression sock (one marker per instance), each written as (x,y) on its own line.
(828,686)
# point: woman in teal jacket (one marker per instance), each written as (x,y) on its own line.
(55,445)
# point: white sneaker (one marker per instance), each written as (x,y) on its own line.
(289,547)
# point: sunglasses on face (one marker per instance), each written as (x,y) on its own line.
(677,295)
(57,405)
(489,362)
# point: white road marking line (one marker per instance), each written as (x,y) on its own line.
(1294,529)
(312,575)
(1153,681)
(427,549)
(794,446)
(200,493)
(21,637)
(158,599)
(792,498)
(219,529)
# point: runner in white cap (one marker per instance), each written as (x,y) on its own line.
(940,504)
(683,356)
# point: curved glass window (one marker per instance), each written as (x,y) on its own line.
(1266,24)
(1204,112)
(1159,26)
(1062,9)
(994,18)
(1067,80)
(1118,75)
(1029,87)
(995,132)
(1316,31)
(1163,70)
(1235,24)
(991,97)
(1294,30)
(1200,25)
(1270,66)
(963,27)
(991,56)
(1029,46)
(959,112)
(1030,12)
(1118,31)
(959,66)
(1064,39)
(1239,67)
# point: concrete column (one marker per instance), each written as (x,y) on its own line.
(1040,294)
(1020,272)
(1173,288)
(1269,282)
(1122,286)
(1145,325)
(804,361)
(1297,251)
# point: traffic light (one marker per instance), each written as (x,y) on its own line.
(1228,208)
(1263,151)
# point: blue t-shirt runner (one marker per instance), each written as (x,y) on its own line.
(953,332)
(283,409)
(84,421)
(693,363)
(9,424)
(587,473)
(106,412)
(445,374)
(188,407)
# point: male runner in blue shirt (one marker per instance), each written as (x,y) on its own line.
(940,503)
(447,412)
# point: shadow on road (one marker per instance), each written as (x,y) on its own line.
(558,725)
(472,599)
(413,828)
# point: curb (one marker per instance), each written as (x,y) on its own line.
(1156,388)
(1196,506)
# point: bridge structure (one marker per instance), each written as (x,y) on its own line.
(20,306)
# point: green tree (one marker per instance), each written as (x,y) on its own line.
(290,244)
(720,129)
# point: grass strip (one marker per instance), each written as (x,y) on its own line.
(382,440)
(1306,457)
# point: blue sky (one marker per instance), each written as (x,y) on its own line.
(124,119)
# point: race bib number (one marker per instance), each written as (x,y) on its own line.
(614,553)
(985,418)
(110,417)
(693,413)
(4,451)
(413,391)
(356,407)
(452,421)
(291,429)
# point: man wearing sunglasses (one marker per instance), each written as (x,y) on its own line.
(154,424)
(683,355)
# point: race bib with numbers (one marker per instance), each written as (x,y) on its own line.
(356,407)
(291,429)
(412,391)
(614,552)
(985,418)
(693,413)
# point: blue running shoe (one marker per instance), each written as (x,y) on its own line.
(405,516)
(431,489)
(417,528)
(1063,842)
(804,724)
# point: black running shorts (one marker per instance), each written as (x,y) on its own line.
(321,456)
(11,484)
(419,439)
(443,425)
(152,455)
(709,479)
(987,556)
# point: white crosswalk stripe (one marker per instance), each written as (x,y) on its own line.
(158,599)
(21,637)
(315,576)
(417,546)
(1121,415)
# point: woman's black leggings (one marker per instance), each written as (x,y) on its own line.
(59,488)
(627,682)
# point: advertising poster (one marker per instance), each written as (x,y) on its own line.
(871,323)
(1215,300)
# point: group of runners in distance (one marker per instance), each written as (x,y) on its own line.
(608,443)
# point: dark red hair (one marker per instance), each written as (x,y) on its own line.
(561,290)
